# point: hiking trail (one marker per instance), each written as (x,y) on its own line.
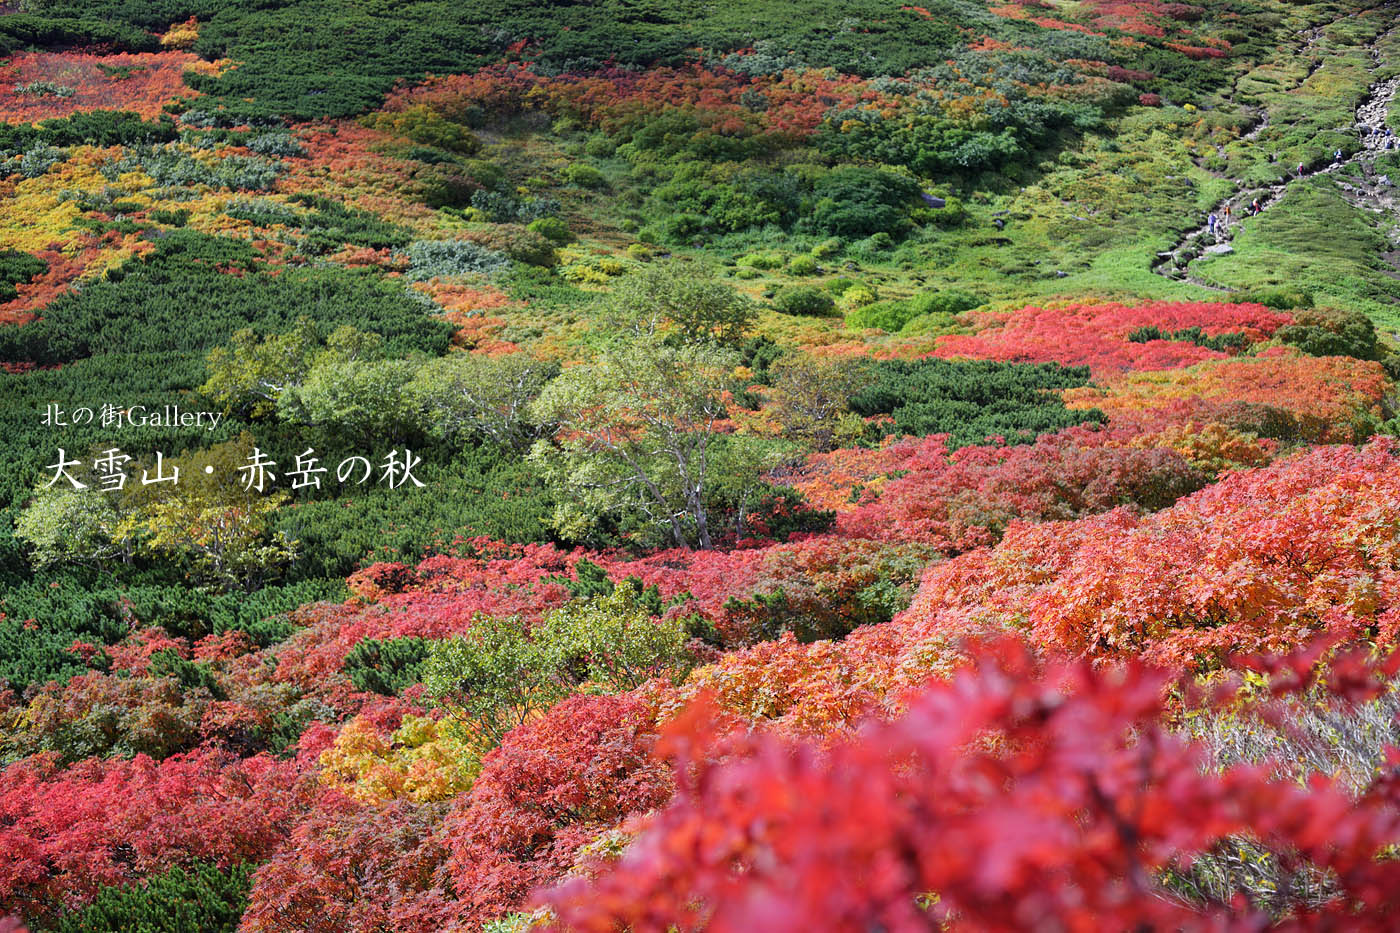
(1365,189)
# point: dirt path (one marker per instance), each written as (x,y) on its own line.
(1365,189)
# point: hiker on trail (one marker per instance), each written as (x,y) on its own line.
(1211,221)
(1337,156)
(1301,168)
(1255,207)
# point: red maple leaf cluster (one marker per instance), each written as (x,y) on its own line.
(1097,335)
(1007,798)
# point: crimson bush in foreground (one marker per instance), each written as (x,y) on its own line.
(553,785)
(1004,799)
(350,866)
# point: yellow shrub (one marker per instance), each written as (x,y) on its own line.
(424,759)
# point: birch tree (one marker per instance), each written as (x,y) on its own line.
(640,433)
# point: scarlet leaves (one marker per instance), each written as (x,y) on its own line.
(552,786)
(354,867)
(1004,799)
(1110,337)
(965,499)
(1316,399)
(64,833)
(1262,560)
(438,598)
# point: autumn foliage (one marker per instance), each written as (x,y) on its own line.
(1322,400)
(1264,560)
(965,499)
(65,832)
(959,602)
(553,786)
(1111,337)
(1005,798)
(41,85)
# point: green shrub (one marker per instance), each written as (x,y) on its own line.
(872,247)
(802,265)
(16,268)
(804,301)
(857,201)
(278,145)
(481,490)
(584,175)
(599,146)
(431,259)
(79,28)
(952,214)
(888,316)
(614,641)
(182,298)
(330,225)
(387,666)
(173,167)
(931,325)
(495,677)
(1194,335)
(68,607)
(505,208)
(1282,299)
(95,128)
(34,161)
(425,126)
(948,301)
(515,242)
(1332,332)
(973,400)
(45,89)
(552,229)
(502,672)
(199,897)
(171,218)
(893,316)
(762,260)
(191,675)
(858,297)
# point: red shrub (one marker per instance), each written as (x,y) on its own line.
(965,499)
(1097,335)
(1261,561)
(1003,800)
(65,833)
(138,82)
(438,598)
(553,785)
(354,867)
(1319,399)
